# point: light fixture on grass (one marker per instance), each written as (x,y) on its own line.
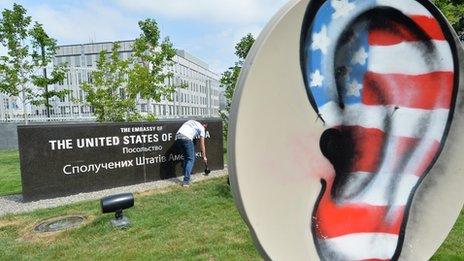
(117,203)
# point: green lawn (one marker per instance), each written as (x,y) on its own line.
(10,177)
(198,223)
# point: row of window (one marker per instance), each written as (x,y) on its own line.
(160,110)
(7,104)
(82,76)
(73,78)
(80,95)
(180,69)
(170,110)
(191,85)
(194,99)
(93,48)
(65,110)
(88,60)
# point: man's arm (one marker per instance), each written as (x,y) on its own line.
(203,149)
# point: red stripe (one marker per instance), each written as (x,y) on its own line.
(386,36)
(337,220)
(367,147)
(428,91)
(334,220)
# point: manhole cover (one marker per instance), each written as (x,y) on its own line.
(58,224)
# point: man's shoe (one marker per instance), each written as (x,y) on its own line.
(185,185)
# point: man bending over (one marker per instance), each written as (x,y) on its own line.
(191,130)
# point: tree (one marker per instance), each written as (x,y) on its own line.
(44,49)
(19,66)
(454,12)
(149,74)
(106,93)
(117,83)
(230,77)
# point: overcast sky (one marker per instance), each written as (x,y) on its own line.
(208,29)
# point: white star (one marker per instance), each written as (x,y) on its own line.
(321,40)
(316,79)
(342,8)
(354,89)
(360,57)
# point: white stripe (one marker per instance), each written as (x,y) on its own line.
(407,7)
(411,58)
(386,189)
(362,246)
(403,122)
(332,114)
(419,155)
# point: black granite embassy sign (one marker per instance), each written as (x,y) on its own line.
(60,160)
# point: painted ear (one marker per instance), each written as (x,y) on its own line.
(383,79)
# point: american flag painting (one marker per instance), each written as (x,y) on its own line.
(382,77)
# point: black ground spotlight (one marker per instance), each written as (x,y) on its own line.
(116,203)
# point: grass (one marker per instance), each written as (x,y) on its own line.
(10,177)
(199,223)
(196,223)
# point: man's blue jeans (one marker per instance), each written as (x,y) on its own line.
(188,151)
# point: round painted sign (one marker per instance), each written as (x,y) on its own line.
(344,140)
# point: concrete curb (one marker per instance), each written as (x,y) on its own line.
(13,204)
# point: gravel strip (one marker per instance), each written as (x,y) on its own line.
(14,204)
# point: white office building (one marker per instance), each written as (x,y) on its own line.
(8,105)
(199,99)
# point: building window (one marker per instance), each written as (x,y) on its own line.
(70,79)
(77,61)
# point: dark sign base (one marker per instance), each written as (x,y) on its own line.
(63,160)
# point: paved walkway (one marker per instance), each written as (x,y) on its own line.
(14,204)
